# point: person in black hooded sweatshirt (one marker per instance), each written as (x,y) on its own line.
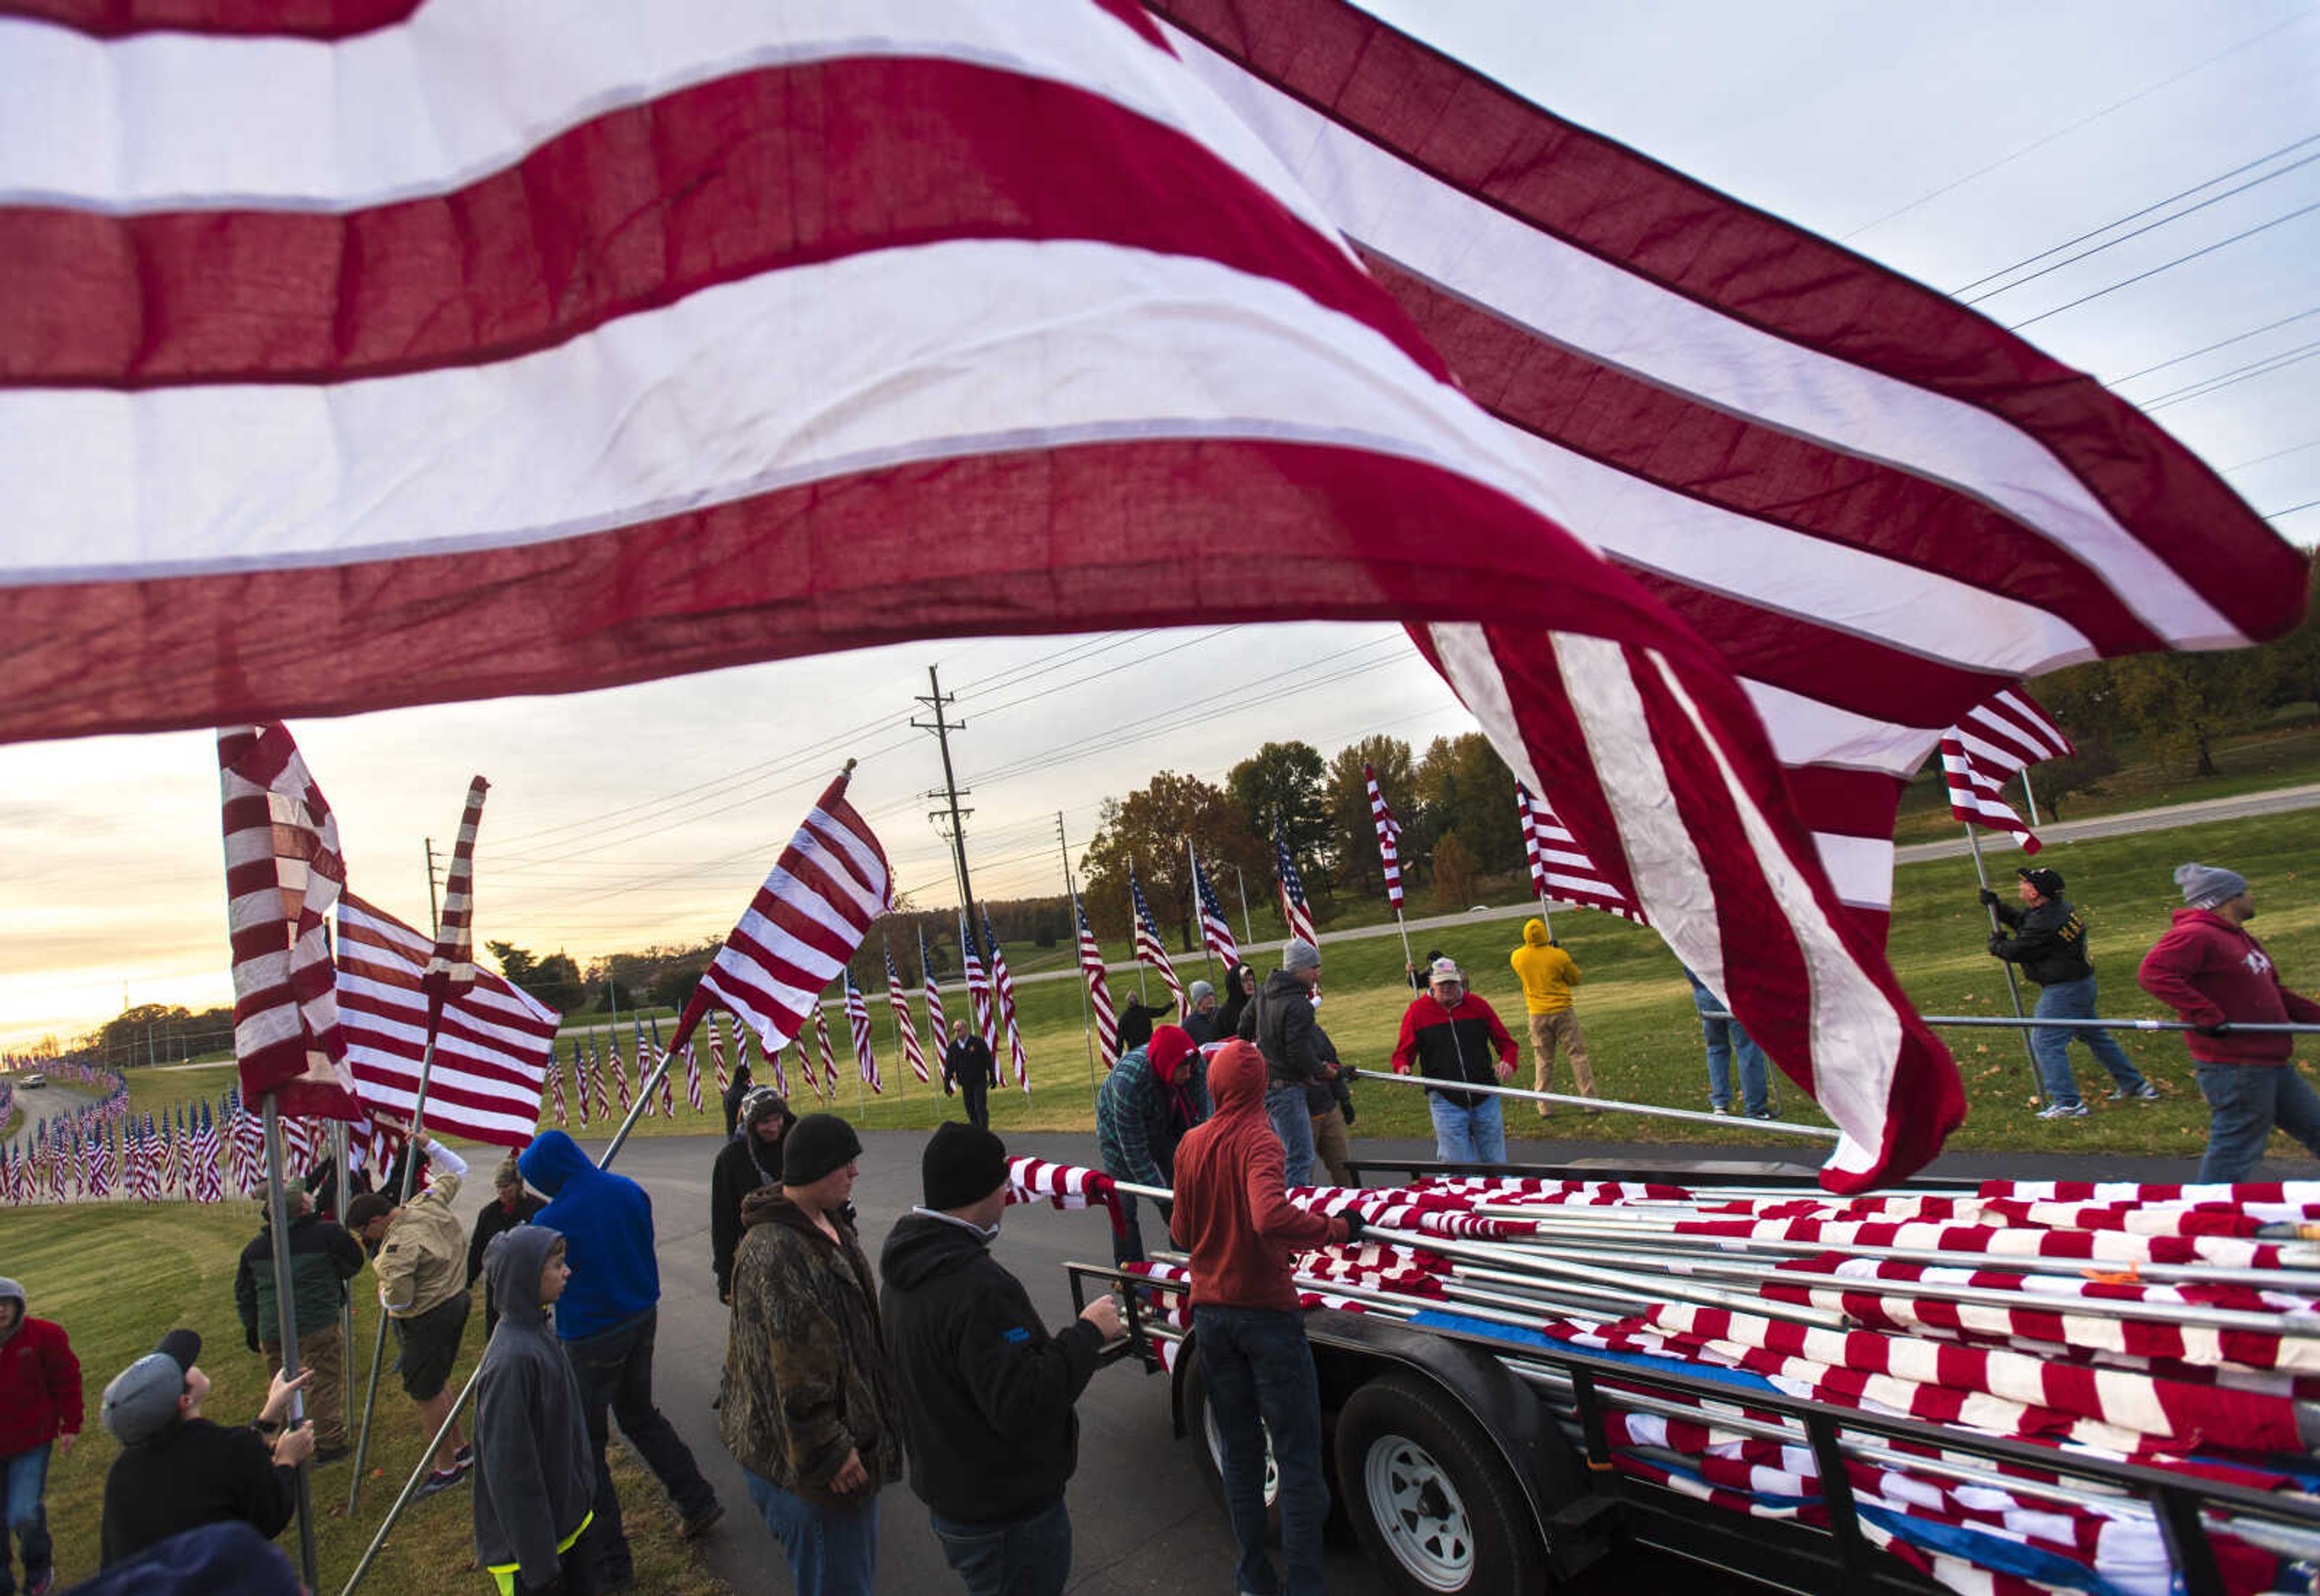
(535,1470)
(986,1393)
(750,1161)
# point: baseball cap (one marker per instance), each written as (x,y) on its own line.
(142,1399)
(1445,969)
(2049,883)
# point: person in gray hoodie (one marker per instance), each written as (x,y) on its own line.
(535,1470)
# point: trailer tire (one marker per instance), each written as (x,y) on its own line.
(1431,1498)
(1201,1424)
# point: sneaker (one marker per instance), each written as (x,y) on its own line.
(2147,1093)
(697,1524)
(1761,1114)
(2063,1111)
(465,1457)
(1719,1108)
(438,1480)
(43,1585)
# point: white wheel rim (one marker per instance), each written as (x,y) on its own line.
(1418,1511)
(1217,1453)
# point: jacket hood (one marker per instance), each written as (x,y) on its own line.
(1236,1077)
(758,1206)
(511,1267)
(9,1289)
(1171,1045)
(552,1162)
(2181,917)
(921,1247)
(1534,933)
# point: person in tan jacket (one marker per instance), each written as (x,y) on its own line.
(421,1258)
(1547,974)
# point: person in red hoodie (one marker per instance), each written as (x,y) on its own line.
(2218,977)
(39,1409)
(1234,1219)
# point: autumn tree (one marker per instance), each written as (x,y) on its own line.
(1360,867)
(1148,829)
(1468,789)
(1291,780)
(1455,871)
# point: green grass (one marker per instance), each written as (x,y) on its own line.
(117,1276)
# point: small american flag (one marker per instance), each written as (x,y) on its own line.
(588,1082)
(1998,738)
(1559,869)
(857,1024)
(1389,836)
(662,1058)
(619,1071)
(1098,991)
(1216,931)
(1150,950)
(1294,912)
(645,1070)
(209,1184)
(693,1075)
(938,1022)
(555,1081)
(1003,1006)
(717,1048)
(978,990)
(906,1029)
(829,1084)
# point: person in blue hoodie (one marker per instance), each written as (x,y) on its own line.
(607,1320)
(534,1477)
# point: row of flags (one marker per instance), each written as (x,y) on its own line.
(196,1152)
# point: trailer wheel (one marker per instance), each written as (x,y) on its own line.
(1431,1499)
(1201,1421)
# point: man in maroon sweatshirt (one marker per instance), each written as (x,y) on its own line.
(1242,1232)
(2218,977)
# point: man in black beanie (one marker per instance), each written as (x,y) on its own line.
(987,1394)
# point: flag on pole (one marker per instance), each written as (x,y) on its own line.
(828,1087)
(692,1072)
(802,926)
(1995,741)
(588,1082)
(978,990)
(905,1029)
(1559,868)
(741,1053)
(283,872)
(556,1080)
(1002,1005)
(663,1058)
(1099,990)
(938,1022)
(1216,931)
(1294,912)
(1150,951)
(452,967)
(780,1073)
(493,1046)
(717,1047)
(1389,838)
(858,1023)
(645,1060)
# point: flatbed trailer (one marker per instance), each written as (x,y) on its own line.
(1469,1459)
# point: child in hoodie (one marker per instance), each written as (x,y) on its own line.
(536,1475)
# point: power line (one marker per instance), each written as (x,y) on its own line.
(2169,266)
(2209,349)
(2292,509)
(2231,380)
(2293,449)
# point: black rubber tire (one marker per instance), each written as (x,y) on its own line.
(1205,1443)
(1503,1549)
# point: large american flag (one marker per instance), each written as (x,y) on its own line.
(978,988)
(803,925)
(1995,742)
(1559,867)
(1389,838)
(1150,950)
(1294,913)
(493,1048)
(938,1022)
(307,382)
(1216,931)
(906,1029)
(1002,1009)
(1099,989)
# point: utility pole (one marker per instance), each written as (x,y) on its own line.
(937,700)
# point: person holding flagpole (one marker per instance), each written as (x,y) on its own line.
(2049,941)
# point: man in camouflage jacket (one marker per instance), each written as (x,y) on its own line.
(810,1408)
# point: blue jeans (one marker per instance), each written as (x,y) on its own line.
(2244,1102)
(1726,1038)
(1293,1122)
(832,1551)
(26,1478)
(1028,1557)
(1127,1241)
(2051,1045)
(1256,1364)
(615,1373)
(1467,1136)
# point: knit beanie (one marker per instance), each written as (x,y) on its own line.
(817,1146)
(1300,955)
(963,1163)
(1199,992)
(2207,885)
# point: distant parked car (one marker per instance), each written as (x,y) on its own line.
(34,1079)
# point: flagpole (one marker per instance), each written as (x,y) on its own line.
(1087,1014)
(285,1322)
(1407,957)
(2013,990)
(2030,798)
(345,1299)
(1546,914)
(1240,884)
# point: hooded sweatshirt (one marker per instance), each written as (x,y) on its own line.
(39,1380)
(986,1393)
(1280,1020)
(606,1221)
(1232,1214)
(534,1472)
(1547,972)
(2209,970)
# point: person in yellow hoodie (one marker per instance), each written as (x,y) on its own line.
(1547,974)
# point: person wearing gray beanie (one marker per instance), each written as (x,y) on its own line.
(2218,978)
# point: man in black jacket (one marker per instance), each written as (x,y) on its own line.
(1280,1020)
(510,1205)
(987,1394)
(969,1069)
(750,1161)
(323,1258)
(2049,943)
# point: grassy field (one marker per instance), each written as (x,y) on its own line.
(118,1277)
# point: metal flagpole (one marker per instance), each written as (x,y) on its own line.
(1546,914)
(1240,884)
(1408,958)
(2029,797)
(1087,1014)
(2013,990)
(285,1322)
(402,1197)
(340,1187)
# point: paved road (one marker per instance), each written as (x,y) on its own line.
(2280,801)
(42,1102)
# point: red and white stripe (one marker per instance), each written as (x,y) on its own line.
(451,968)
(805,923)
(1061,1185)
(980,1013)
(938,1022)
(1216,931)
(716,1028)
(1151,952)
(283,872)
(1004,1015)
(692,1079)
(281,435)
(619,1072)
(492,1050)
(827,1086)
(556,1082)
(906,1029)
(1559,868)
(1099,989)
(1389,835)
(1985,750)
(857,1021)
(588,1082)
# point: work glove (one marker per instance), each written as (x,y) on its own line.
(1989,899)
(2220,1028)
(1354,1225)
(1997,940)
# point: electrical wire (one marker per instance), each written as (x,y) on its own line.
(2167,266)
(2210,348)
(2233,379)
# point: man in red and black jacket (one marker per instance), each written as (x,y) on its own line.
(1449,1034)
(2216,976)
(39,1409)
